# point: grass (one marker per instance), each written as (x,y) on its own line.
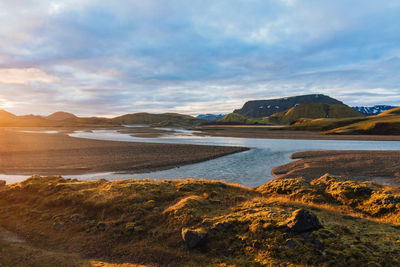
(378,125)
(314,111)
(386,123)
(83,223)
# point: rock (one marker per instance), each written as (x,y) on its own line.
(58,226)
(2,183)
(391,200)
(303,221)
(290,244)
(193,238)
(222,226)
(101,226)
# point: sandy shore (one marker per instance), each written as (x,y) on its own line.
(59,154)
(274,132)
(380,166)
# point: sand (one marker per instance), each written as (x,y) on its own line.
(379,166)
(59,154)
(274,132)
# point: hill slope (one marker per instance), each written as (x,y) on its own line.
(60,115)
(165,119)
(6,116)
(314,111)
(234,118)
(386,123)
(263,108)
(290,222)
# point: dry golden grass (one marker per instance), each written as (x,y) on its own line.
(123,223)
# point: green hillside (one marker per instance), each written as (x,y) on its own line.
(322,124)
(379,125)
(386,123)
(161,120)
(314,111)
(390,112)
(235,118)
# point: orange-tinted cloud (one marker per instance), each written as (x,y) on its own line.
(25,76)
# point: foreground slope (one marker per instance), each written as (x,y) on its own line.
(324,222)
(386,123)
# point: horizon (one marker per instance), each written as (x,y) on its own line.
(194,115)
(95,58)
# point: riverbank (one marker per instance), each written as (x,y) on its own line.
(274,132)
(380,166)
(59,154)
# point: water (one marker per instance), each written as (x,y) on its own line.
(250,168)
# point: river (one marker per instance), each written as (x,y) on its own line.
(249,168)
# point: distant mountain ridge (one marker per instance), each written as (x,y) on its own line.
(210,117)
(60,115)
(61,118)
(163,120)
(264,108)
(302,111)
(375,110)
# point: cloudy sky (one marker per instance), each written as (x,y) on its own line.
(94,57)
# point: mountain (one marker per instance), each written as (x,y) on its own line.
(390,112)
(210,117)
(7,116)
(263,108)
(165,119)
(375,110)
(60,115)
(314,111)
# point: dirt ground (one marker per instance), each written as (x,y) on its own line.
(274,132)
(59,154)
(379,166)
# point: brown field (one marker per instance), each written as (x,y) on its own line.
(274,132)
(380,166)
(48,154)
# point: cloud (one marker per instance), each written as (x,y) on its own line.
(194,56)
(25,76)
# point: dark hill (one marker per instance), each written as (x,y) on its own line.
(264,108)
(6,116)
(164,119)
(60,115)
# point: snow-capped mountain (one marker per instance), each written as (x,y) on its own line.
(210,117)
(375,110)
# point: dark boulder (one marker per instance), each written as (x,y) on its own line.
(2,183)
(193,238)
(303,221)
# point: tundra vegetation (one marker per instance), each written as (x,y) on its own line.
(327,221)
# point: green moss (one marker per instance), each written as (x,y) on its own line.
(141,221)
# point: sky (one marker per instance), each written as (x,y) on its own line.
(106,58)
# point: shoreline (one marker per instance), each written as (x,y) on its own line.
(271,132)
(59,154)
(359,165)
